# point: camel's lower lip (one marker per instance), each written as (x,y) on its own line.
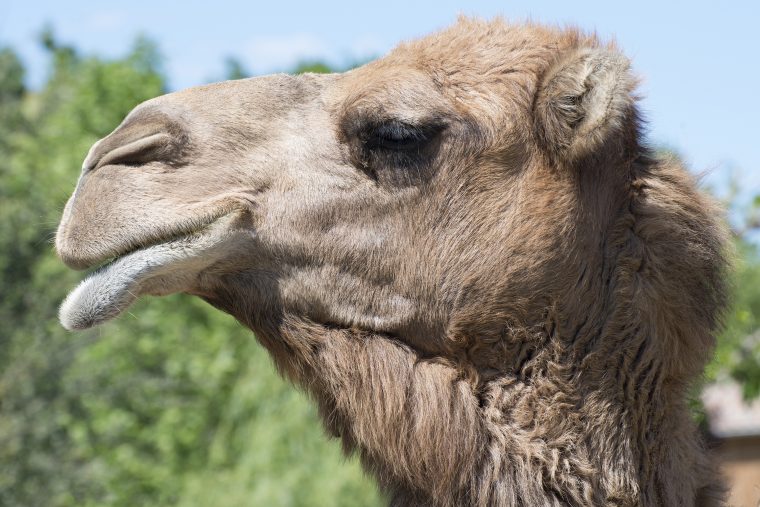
(111,289)
(163,268)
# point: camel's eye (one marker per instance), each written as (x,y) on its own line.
(393,150)
(397,136)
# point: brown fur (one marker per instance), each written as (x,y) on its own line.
(512,315)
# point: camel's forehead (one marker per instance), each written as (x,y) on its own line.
(477,49)
(474,64)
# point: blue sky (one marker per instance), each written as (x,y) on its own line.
(700,61)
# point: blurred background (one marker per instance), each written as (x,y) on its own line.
(175,403)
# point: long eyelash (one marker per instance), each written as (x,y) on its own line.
(398,136)
(397,130)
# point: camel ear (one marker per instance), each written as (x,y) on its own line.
(584,102)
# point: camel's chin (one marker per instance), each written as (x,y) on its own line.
(162,269)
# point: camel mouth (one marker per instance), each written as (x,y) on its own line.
(160,268)
(82,258)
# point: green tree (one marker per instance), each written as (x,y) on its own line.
(234,69)
(314,66)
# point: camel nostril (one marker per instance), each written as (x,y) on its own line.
(148,134)
(141,150)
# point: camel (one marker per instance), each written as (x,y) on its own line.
(465,252)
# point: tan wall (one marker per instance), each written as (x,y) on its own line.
(740,458)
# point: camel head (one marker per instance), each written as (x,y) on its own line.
(389,198)
(479,199)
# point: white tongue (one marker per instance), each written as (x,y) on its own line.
(110,290)
(160,269)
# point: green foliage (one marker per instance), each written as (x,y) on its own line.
(322,67)
(178,407)
(314,66)
(234,69)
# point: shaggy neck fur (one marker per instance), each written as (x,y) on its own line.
(589,408)
(589,411)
